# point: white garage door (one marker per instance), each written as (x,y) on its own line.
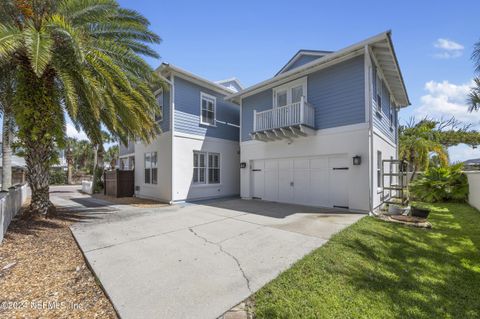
(317,181)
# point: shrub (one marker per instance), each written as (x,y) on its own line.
(57,177)
(441,184)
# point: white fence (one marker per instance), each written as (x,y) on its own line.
(474,189)
(87,187)
(10,204)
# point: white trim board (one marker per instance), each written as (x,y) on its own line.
(203,138)
(126,155)
(380,134)
(326,131)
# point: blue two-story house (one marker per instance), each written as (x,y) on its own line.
(196,156)
(316,133)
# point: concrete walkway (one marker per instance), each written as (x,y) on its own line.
(196,260)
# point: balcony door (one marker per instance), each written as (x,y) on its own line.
(290,93)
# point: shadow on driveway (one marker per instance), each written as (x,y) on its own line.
(273,209)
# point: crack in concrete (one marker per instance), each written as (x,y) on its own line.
(226,253)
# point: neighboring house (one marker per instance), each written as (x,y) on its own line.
(301,130)
(18,167)
(126,156)
(197,154)
(472,164)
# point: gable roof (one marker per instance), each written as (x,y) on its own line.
(302,53)
(167,68)
(380,48)
(473,161)
(236,83)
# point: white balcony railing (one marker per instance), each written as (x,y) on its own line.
(299,113)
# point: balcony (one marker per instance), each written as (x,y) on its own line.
(285,122)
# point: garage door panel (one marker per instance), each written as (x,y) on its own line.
(285,164)
(317,181)
(319,191)
(258,183)
(285,186)
(319,163)
(271,180)
(271,164)
(301,189)
(301,163)
(338,185)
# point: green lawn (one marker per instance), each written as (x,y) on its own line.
(375,269)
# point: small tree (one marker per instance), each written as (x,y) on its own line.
(420,141)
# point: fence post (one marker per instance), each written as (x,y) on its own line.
(254,120)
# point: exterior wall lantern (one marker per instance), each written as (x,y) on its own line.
(357,160)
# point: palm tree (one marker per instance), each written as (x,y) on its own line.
(417,143)
(474,95)
(82,58)
(69,158)
(111,155)
(98,164)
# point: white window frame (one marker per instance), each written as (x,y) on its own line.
(210,98)
(157,94)
(379,86)
(150,168)
(288,87)
(198,168)
(392,115)
(379,171)
(211,168)
(206,168)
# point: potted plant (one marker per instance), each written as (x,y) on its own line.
(420,212)
(395,209)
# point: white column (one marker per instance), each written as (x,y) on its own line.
(302,109)
(254,120)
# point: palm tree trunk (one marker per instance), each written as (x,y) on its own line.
(41,119)
(7,151)
(69,158)
(98,167)
(38,159)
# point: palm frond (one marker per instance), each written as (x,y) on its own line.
(10,39)
(39,48)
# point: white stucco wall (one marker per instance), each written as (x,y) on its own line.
(389,150)
(347,140)
(184,146)
(161,191)
(10,204)
(474,189)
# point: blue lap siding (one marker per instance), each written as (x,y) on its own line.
(381,118)
(336,92)
(187,112)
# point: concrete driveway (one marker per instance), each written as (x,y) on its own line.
(198,260)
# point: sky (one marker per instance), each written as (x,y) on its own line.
(252,40)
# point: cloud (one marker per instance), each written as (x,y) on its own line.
(72,132)
(447,49)
(462,153)
(444,100)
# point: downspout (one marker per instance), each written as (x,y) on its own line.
(172,130)
(368,97)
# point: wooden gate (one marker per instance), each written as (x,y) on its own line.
(119,183)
